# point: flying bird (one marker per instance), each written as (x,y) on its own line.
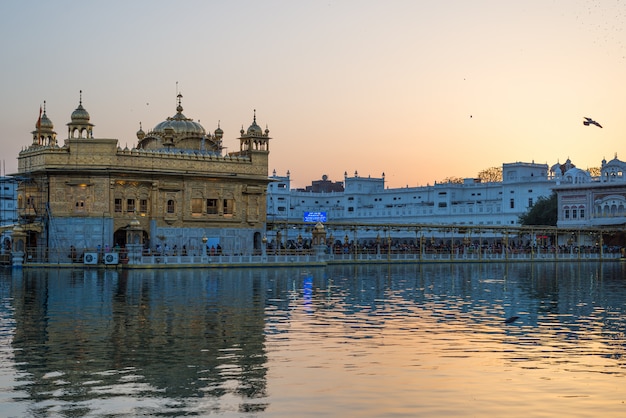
(589,121)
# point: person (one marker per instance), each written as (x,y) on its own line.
(72,253)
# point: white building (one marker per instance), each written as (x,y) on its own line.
(584,200)
(366,200)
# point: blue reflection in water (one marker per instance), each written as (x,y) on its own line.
(200,342)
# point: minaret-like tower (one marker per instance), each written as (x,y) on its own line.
(80,127)
(254,139)
(44,134)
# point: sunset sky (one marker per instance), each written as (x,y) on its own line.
(419,90)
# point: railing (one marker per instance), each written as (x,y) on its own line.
(284,257)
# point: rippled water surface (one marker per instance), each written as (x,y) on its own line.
(363,341)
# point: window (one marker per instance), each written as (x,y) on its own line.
(196,206)
(130,205)
(211,206)
(171,206)
(229,206)
(118,205)
(80,205)
(143,205)
(566,213)
(574,213)
(512,203)
(582,213)
(530,202)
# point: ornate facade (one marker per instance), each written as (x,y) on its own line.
(600,201)
(175,186)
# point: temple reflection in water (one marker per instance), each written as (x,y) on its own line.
(265,341)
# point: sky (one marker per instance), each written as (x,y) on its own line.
(419,90)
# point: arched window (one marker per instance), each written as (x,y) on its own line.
(171,206)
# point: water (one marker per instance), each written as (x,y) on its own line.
(364,341)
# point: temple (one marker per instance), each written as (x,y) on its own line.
(175,188)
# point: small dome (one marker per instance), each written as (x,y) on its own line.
(45,122)
(219,133)
(140,133)
(254,129)
(80,114)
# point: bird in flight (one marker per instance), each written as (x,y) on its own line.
(589,121)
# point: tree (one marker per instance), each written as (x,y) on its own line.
(594,171)
(456,180)
(491,174)
(543,212)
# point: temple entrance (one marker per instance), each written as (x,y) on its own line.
(119,238)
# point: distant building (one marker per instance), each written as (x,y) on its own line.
(587,201)
(324,186)
(366,200)
(8,210)
(175,187)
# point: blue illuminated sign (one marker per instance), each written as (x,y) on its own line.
(314,216)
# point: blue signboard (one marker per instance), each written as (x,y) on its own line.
(314,216)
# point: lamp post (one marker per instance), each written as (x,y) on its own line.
(264,247)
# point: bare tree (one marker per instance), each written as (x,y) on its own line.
(491,174)
(456,180)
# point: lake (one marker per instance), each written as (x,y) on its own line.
(399,340)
